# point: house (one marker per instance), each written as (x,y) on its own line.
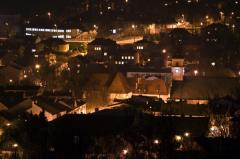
(103,89)
(11,74)
(151,87)
(119,88)
(53,44)
(125,56)
(54,107)
(201,89)
(13,105)
(148,53)
(102,50)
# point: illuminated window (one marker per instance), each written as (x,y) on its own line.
(68,36)
(97,48)
(105,54)
(68,30)
(140,47)
(60,36)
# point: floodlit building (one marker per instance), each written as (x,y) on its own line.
(45,32)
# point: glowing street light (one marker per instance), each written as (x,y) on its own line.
(186,134)
(37,66)
(8,124)
(178,138)
(164,51)
(15,145)
(156,141)
(195,72)
(213,64)
(49,14)
(125,151)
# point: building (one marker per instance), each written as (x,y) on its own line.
(200,90)
(147,53)
(53,31)
(54,107)
(53,44)
(102,51)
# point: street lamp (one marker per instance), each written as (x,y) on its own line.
(213,64)
(125,151)
(15,150)
(37,66)
(178,138)
(156,141)
(15,145)
(186,134)
(233,27)
(49,15)
(195,72)
(164,51)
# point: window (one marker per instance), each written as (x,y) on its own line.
(68,36)
(97,48)
(105,53)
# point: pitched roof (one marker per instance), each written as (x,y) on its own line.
(204,88)
(119,84)
(98,81)
(51,105)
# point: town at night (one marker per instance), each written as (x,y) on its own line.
(120,79)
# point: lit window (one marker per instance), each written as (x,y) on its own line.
(68,36)
(105,53)
(97,48)
(140,47)
(60,36)
(122,57)
(129,57)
